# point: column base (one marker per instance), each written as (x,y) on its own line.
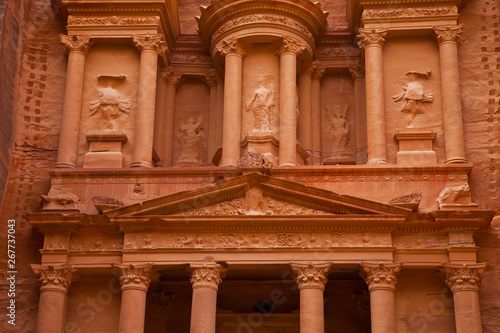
(64,165)
(455,160)
(374,161)
(141,164)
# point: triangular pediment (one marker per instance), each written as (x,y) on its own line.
(256,194)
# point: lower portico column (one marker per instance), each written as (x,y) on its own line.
(205,279)
(311,280)
(135,280)
(55,281)
(464,281)
(381,280)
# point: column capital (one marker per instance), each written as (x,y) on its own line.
(54,277)
(79,43)
(380,276)
(148,42)
(464,277)
(449,34)
(206,275)
(211,78)
(317,70)
(233,46)
(305,68)
(357,71)
(289,45)
(368,37)
(219,71)
(311,276)
(169,77)
(134,276)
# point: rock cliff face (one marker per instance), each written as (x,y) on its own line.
(33,75)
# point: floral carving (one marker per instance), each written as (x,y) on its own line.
(207,275)
(449,34)
(290,44)
(232,45)
(112,20)
(309,276)
(149,43)
(369,37)
(409,12)
(466,277)
(380,276)
(53,277)
(134,276)
(254,160)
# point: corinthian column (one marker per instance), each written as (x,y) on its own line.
(311,280)
(288,51)
(205,279)
(317,74)
(381,280)
(372,41)
(464,281)
(304,128)
(76,47)
(358,74)
(449,38)
(150,47)
(233,51)
(210,78)
(169,81)
(55,281)
(134,280)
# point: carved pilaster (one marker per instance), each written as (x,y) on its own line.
(134,276)
(381,276)
(309,276)
(169,77)
(289,45)
(449,34)
(152,43)
(78,43)
(368,37)
(207,275)
(53,277)
(357,71)
(211,78)
(234,46)
(464,277)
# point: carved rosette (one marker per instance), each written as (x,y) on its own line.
(234,46)
(317,70)
(357,71)
(206,275)
(211,78)
(134,276)
(449,34)
(369,37)
(169,77)
(381,276)
(464,277)
(311,276)
(75,43)
(153,43)
(290,45)
(53,277)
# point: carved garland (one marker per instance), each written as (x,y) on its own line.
(409,12)
(112,20)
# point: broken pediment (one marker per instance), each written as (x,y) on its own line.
(255,194)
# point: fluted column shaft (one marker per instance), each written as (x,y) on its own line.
(316,111)
(55,281)
(311,280)
(76,47)
(134,280)
(449,39)
(304,128)
(381,280)
(464,281)
(372,40)
(150,47)
(234,51)
(205,279)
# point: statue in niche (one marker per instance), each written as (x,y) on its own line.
(338,126)
(413,95)
(110,106)
(261,105)
(190,136)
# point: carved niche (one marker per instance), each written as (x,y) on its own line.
(191,137)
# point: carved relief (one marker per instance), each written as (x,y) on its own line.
(190,58)
(53,277)
(56,241)
(420,241)
(190,136)
(381,276)
(207,275)
(341,50)
(103,204)
(261,105)
(338,126)
(92,240)
(309,276)
(466,277)
(409,12)
(413,95)
(254,160)
(112,20)
(59,199)
(452,193)
(110,106)
(411,201)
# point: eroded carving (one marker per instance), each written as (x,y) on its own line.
(309,276)
(413,95)
(192,139)
(452,193)
(381,276)
(261,105)
(59,199)
(465,277)
(338,126)
(103,204)
(110,107)
(411,201)
(254,160)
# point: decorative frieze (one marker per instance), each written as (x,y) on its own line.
(54,277)
(380,276)
(449,34)
(113,20)
(80,43)
(207,275)
(309,276)
(134,276)
(464,277)
(340,50)
(369,37)
(409,12)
